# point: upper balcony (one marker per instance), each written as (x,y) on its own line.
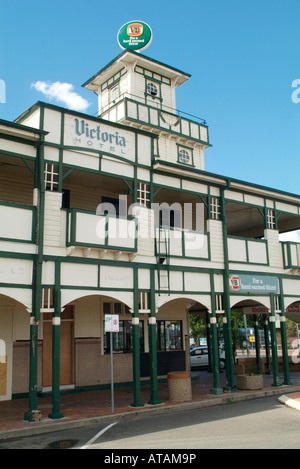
(101,231)
(17,222)
(248,251)
(291,255)
(17,212)
(129,110)
(181,243)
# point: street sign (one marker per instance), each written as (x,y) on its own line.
(111,323)
(111,326)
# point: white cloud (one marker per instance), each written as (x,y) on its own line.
(62,92)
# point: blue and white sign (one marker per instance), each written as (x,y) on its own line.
(253,283)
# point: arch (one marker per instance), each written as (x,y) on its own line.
(249,302)
(292,311)
(9,297)
(69,296)
(189,299)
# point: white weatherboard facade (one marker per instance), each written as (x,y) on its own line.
(117,215)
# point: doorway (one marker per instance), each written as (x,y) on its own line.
(6,315)
(66,348)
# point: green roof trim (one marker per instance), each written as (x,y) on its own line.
(41,104)
(137,54)
(19,126)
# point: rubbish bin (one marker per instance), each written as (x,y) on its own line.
(179,386)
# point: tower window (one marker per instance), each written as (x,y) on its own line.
(152,89)
(115,93)
(185,155)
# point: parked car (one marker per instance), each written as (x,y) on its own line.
(199,357)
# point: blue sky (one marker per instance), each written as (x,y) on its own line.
(243,57)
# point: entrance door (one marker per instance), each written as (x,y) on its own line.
(5,353)
(66,349)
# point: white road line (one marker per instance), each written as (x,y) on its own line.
(98,435)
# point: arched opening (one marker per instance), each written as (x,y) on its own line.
(251,336)
(14,346)
(84,344)
(292,313)
(172,331)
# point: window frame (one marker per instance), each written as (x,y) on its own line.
(190,152)
(162,345)
(126,343)
(157,84)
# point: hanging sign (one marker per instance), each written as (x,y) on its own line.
(253,283)
(111,323)
(135,35)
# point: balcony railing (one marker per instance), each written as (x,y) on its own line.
(17,222)
(250,251)
(126,108)
(291,255)
(182,243)
(87,229)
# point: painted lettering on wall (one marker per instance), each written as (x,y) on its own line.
(83,128)
(84,133)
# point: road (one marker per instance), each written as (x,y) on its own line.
(256,424)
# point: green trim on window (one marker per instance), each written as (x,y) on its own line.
(189,151)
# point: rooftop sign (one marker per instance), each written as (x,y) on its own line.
(135,35)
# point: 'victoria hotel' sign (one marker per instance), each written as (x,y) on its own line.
(98,136)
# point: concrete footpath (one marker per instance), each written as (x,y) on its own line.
(88,407)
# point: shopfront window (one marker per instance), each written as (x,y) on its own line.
(123,340)
(169,335)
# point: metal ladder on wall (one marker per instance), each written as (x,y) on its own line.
(163,258)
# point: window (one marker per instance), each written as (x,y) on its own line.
(170,218)
(152,89)
(271,219)
(114,93)
(110,206)
(215,208)
(51,176)
(169,335)
(123,340)
(185,155)
(65,198)
(143,194)
(199,352)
